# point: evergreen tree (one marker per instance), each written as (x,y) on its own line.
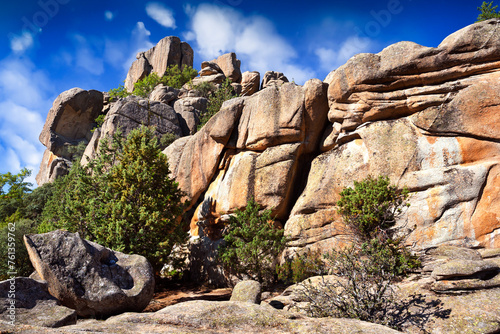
(252,243)
(124,199)
(487,11)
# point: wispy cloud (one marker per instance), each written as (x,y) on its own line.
(217,30)
(108,15)
(25,99)
(332,58)
(139,41)
(22,42)
(161,14)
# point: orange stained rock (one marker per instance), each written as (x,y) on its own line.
(476,150)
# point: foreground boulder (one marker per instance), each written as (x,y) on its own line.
(89,278)
(247,291)
(27,301)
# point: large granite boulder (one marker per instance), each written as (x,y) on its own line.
(89,278)
(27,301)
(168,52)
(189,111)
(426,117)
(251,148)
(230,66)
(250,83)
(69,122)
(130,113)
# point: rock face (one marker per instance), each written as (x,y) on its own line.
(130,113)
(219,317)
(27,301)
(68,122)
(426,117)
(251,148)
(169,51)
(89,278)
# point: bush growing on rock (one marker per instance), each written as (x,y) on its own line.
(124,199)
(173,77)
(377,258)
(487,11)
(215,99)
(370,208)
(301,266)
(252,244)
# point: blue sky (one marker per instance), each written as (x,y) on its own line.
(50,46)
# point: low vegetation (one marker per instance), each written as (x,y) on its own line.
(216,97)
(173,77)
(252,244)
(376,259)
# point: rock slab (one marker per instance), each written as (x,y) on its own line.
(27,301)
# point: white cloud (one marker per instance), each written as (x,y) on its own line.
(331,58)
(20,43)
(217,30)
(108,15)
(25,100)
(139,42)
(161,14)
(85,56)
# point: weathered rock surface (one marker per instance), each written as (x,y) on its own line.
(164,94)
(250,83)
(27,301)
(218,317)
(89,278)
(168,52)
(130,113)
(247,291)
(426,117)
(188,111)
(230,66)
(68,122)
(273,78)
(262,136)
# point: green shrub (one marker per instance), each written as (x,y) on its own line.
(487,11)
(116,93)
(252,244)
(176,78)
(301,266)
(361,291)
(367,269)
(215,100)
(15,259)
(173,77)
(371,207)
(124,199)
(206,89)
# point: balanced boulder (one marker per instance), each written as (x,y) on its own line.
(90,278)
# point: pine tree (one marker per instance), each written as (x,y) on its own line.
(487,11)
(124,199)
